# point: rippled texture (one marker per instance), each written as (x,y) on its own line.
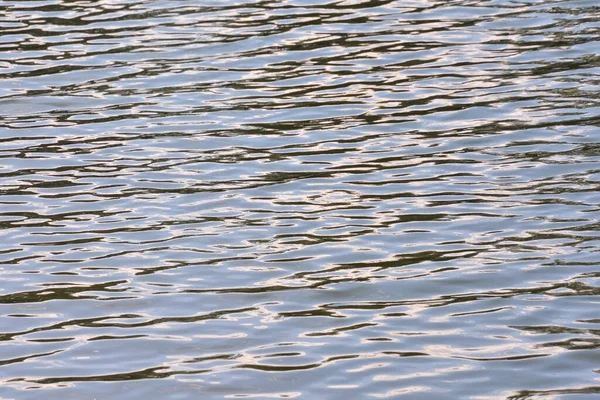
(299,199)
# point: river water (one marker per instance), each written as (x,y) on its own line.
(307,199)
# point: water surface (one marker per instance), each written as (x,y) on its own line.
(299,199)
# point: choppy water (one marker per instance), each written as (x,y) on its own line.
(299,199)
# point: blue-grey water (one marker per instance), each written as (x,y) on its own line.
(313,199)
